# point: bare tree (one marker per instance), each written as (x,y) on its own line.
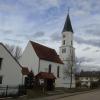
(16,51)
(10,48)
(79,61)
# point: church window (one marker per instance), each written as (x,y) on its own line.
(71,43)
(0,79)
(58,71)
(63,36)
(64,50)
(49,68)
(63,42)
(1,62)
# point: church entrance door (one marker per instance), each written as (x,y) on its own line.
(50,84)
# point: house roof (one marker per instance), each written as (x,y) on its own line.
(88,74)
(45,75)
(25,71)
(68,26)
(46,53)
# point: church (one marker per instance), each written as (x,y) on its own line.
(67,53)
(47,65)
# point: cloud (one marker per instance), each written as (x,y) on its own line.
(55,37)
(92,42)
(32,35)
(13,40)
(7,8)
(93,32)
(38,34)
(84,59)
(39,5)
(97,51)
(87,48)
(4,31)
(44,41)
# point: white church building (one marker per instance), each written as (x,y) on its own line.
(46,63)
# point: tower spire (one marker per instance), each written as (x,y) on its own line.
(68,26)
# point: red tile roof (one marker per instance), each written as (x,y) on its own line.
(46,53)
(25,71)
(45,75)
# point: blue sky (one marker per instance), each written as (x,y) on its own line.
(42,21)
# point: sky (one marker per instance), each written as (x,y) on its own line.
(42,21)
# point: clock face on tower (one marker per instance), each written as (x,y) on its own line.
(64,50)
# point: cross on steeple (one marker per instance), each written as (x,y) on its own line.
(68,10)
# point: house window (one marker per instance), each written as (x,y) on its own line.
(63,42)
(1,62)
(49,68)
(58,71)
(0,79)
(64,50)
(86,78)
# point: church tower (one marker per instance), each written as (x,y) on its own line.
(67,52)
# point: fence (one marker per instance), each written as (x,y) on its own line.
(6,91)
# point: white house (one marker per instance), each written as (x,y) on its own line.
(42,61)
(87,79)
(67,52)
(10,69)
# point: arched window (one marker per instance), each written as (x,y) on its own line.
(63,42)
(58,71)
(71,42)
(49,68)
